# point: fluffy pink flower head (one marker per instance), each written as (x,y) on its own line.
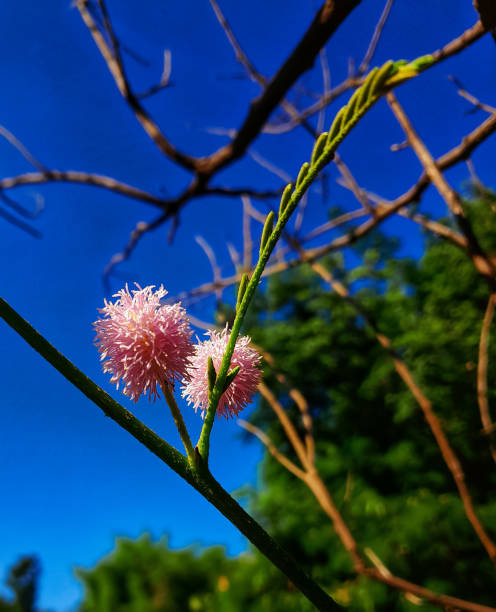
(240,391)
(143,342)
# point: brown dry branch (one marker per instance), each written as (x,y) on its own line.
(209,252)
(348,180)
(376,36)
(21,210)
(326,86)
(236,192)
(164,79)
(462,92)
(111,55)
(443,231)
(266,441)
(487,425)
(298,398)
(241,56)
(287,425)
(487,12)
(15,142)
(83,178)
(354,78)
(22,225)
(327,20)
(482,262)
(457,154)
(247,241)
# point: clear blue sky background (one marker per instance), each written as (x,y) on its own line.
(71,481)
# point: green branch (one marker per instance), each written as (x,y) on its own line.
(199,478)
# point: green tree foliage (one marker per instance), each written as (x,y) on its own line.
(146,576)
(375,452)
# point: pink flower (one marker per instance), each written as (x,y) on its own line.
(143,342)
(241,390)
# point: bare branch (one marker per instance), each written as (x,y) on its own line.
(241,56)
(22,225)
(459,153)
(326,81)
(470,98)
(482,373)
(141,228)
(482,262)
(350,182)
(487,12)
(209,252)
(82,178)
(298,399)
(314,482)
(15,142)
(21,210)
(266,441)
(115,66)
(236,192)
(369,54)
(434,226)
(164,79)
(247,241)
(272,168)
(289,428)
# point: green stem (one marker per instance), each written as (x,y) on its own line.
(198,477)
(350,115)
(179,421)
(325,158)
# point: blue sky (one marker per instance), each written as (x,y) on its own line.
(72,481)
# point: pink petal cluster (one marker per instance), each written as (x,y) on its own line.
(241,390)
(142,342)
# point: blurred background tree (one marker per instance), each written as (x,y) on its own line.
(22,580)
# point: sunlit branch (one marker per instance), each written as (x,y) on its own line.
(481,260)
(487,428)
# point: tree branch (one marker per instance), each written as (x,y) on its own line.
(115,66)
(482,374)
(482,262)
